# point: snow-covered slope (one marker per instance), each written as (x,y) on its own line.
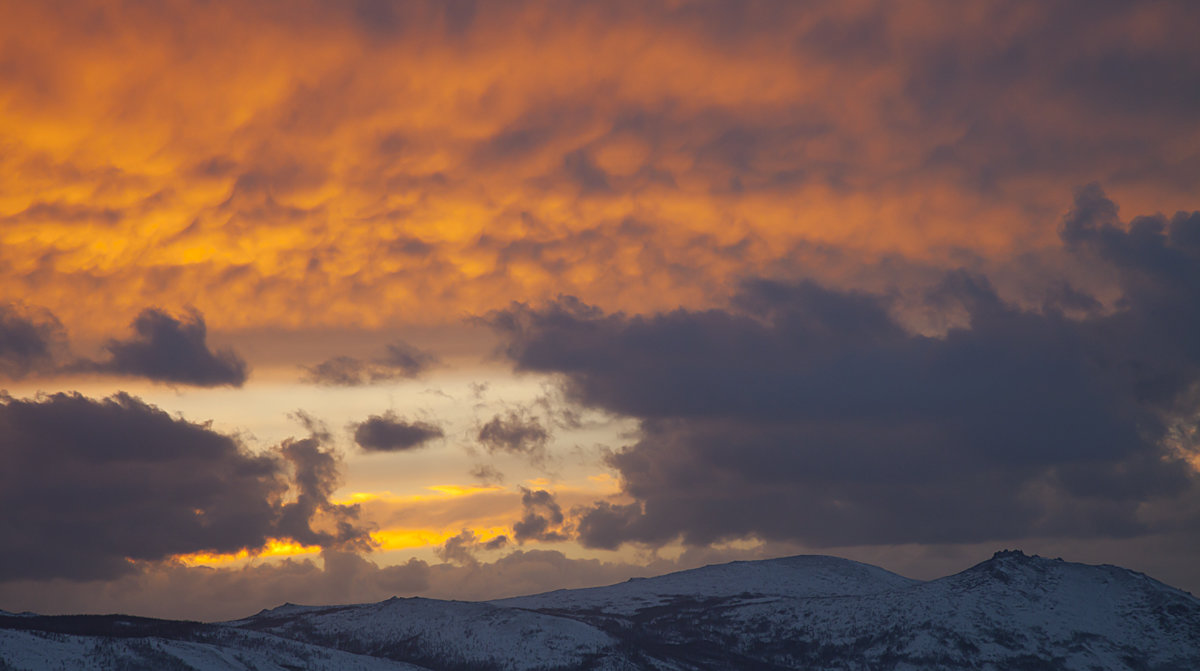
(1009,612)
(58,643)
(791,577)
(446,634)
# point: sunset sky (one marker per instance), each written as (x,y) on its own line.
(326,302)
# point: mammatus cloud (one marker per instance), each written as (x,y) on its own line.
(359,177)
(28,340)
(389,433)
(401,361)
(87,486)
(171,350)
(797,397)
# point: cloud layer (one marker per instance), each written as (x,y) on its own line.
(801,398)
(389,433)
(414,163)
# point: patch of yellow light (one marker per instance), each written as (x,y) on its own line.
(273,548)
(460,490)
(1194,460)
(440,492)
(363,497)
(197,254)
(406,539)
(1184,443)
(403,539)
(1191,458)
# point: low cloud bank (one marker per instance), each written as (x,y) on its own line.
(809,414)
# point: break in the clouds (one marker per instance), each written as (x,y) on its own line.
(816,401)
(390,433)
(400,360)
(171,349)
(90,485)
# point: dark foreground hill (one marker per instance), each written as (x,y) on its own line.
(808,612)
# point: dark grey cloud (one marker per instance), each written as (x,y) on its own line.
(389,433)
(805,413)
(461,548)
(458,548)
(172,350)
(605,525)
(514,432)
(164,349)
(87,485)
(494,543)
(399,361)
(29,339)
(316,474)
(543,519)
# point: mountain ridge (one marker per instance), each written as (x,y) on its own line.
(1012,611)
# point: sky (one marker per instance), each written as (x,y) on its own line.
(325,302)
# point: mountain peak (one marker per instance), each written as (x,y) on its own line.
(807,611)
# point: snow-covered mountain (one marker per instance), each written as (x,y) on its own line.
(1010,612)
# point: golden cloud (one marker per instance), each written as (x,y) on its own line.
(307,164)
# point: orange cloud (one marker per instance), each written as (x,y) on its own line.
(307,164)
